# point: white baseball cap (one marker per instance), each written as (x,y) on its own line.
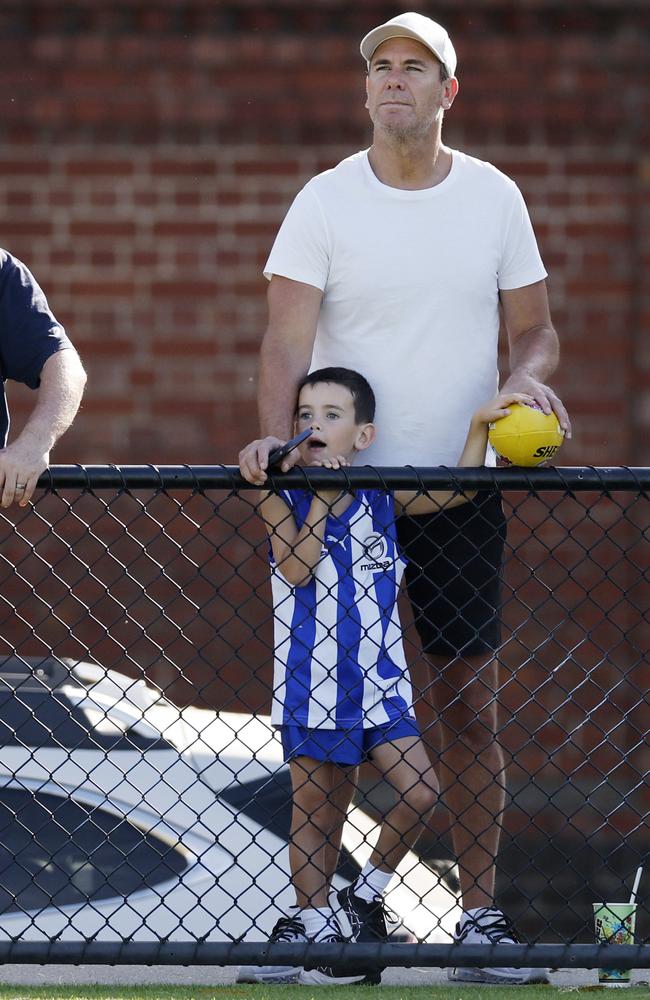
(417,26)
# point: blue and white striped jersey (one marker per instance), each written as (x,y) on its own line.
(339,658)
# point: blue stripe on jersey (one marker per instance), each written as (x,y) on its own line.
(298,662)
(349,702)
(386,588)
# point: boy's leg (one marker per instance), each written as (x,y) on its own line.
(322,792)
(406,767)
(341,798)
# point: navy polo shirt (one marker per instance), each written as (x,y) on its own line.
(29,333)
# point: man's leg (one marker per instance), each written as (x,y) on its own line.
(453,582)
(460,731)
(463,734)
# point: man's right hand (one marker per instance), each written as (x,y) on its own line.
(254,459)
(21,463)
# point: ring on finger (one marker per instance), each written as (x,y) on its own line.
(21,486)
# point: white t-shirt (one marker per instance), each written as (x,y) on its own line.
(410,283)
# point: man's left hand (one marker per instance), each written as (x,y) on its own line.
(543,396)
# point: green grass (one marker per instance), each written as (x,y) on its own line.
(456,992)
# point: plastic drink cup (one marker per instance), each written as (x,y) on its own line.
(614,925)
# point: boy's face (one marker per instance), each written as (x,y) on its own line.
(328,409)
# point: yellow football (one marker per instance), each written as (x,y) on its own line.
(527,436)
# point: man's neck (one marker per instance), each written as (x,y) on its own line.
(410,165)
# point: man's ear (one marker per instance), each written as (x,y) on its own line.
(450,90)
(365,437)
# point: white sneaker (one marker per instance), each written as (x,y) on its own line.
(287,930)
(490,926)
(324,975)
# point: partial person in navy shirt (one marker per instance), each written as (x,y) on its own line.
(34,350)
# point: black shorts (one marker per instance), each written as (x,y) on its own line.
(453,575)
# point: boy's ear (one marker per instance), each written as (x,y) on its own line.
(365,437)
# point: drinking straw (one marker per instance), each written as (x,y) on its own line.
(637,879)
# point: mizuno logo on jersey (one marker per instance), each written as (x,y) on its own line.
(376,567)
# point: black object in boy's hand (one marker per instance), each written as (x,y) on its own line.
(279,453)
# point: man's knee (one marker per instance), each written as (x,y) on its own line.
(470,685)
(464,729)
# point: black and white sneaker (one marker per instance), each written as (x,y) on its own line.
(489,925)
(287,930)
(367,923)
(325,975)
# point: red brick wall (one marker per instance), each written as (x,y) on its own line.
(149,151)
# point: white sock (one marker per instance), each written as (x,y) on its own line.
(372,882)
(319,922)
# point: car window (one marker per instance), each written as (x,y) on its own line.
(55,851)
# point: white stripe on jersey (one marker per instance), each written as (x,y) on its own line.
(372,635)
(323,681)
(339,658)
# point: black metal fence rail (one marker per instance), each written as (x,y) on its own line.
(347,956)
(213,477)
(144,802)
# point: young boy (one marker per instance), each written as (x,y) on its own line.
(341,687)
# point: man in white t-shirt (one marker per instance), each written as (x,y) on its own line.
(397,263)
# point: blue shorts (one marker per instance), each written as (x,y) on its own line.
(343,746)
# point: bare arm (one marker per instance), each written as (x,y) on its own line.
(534,347)
(296,552)
(59,395)
(286,351)
(284,359)
(473,456)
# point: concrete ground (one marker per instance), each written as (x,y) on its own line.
(134,975)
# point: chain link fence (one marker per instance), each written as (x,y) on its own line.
(145,804)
